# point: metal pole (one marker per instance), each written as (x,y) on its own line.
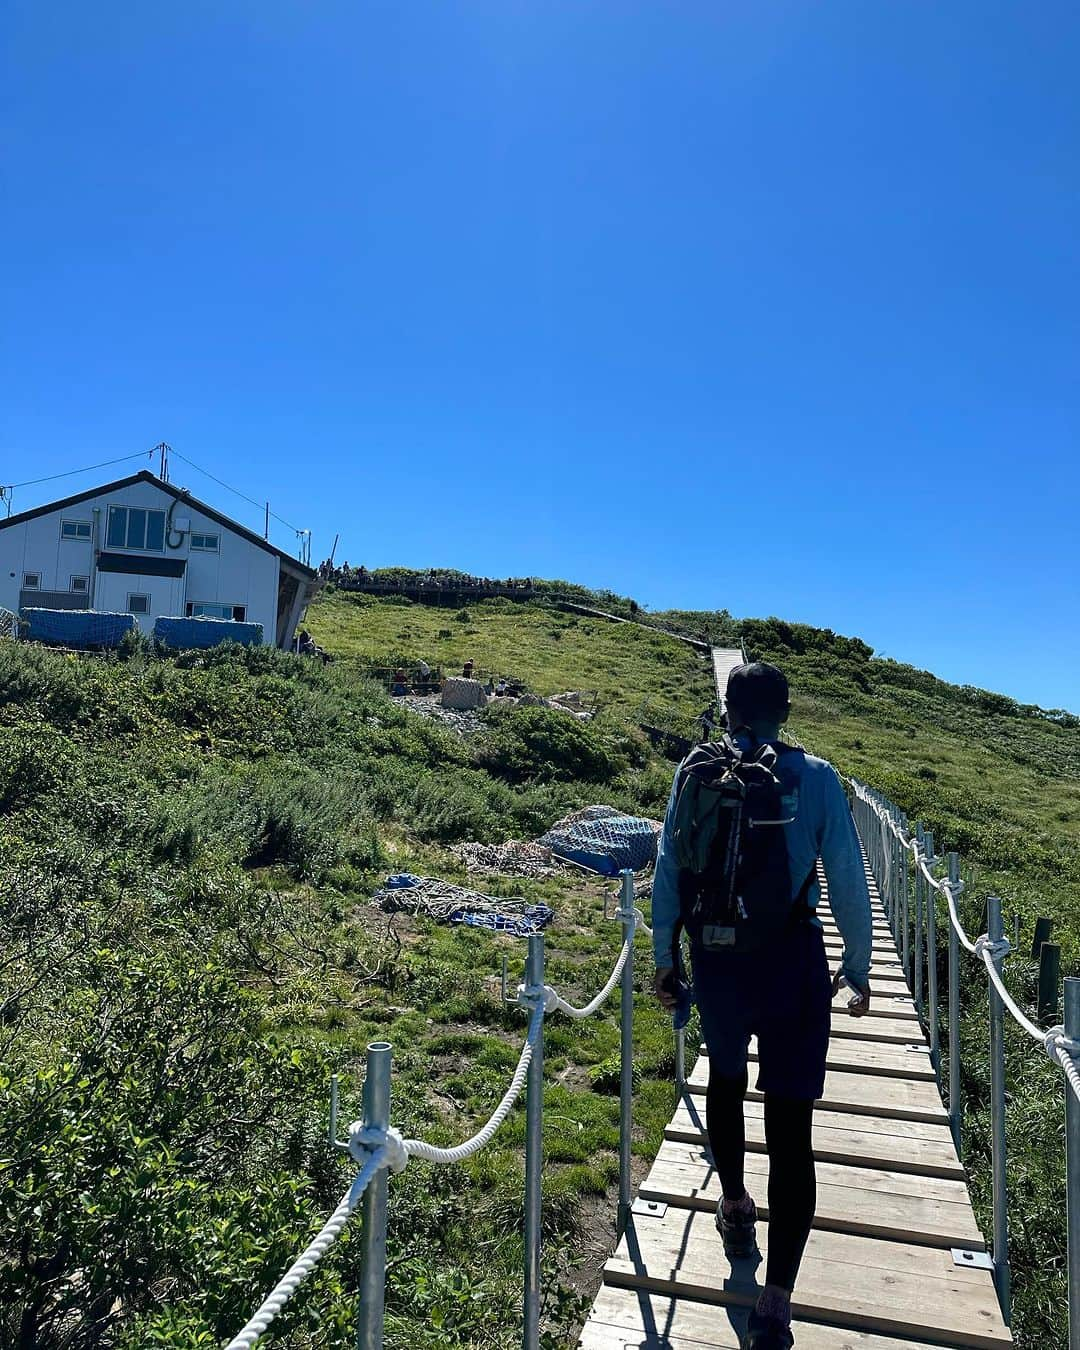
(680,1063)
(931,969)
(996,930)
(1072,1182)
(919,935)
(534,1158)
(376,1100)
(626,1061)
(954,1017)
(905,916)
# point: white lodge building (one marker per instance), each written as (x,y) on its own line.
(142,546)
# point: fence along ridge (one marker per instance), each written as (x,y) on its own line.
(889,842)
(379,1147)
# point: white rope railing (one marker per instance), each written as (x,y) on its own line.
(376,1149)
(1061,1050)
(306,1262)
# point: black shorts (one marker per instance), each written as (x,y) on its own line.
(783,996)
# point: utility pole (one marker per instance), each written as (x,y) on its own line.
(266,522)
(163,451)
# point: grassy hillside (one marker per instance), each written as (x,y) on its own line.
(187,848)
(552,651)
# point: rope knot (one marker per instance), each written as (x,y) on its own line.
(955,888)
(997,950)
(1055,1040)
(530,995)
(364,1140)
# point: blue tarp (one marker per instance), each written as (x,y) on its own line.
(206,632)
(532,919)
(81,628)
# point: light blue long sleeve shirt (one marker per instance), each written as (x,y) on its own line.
(822,828)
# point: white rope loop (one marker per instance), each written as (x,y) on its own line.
(306,1262)
(1061,1050)
(376,1148)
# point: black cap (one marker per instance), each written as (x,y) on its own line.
(758,690)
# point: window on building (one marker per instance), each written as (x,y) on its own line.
(134,527)
(205,543)
(207,610)
(138,604)
(76,529)
(31,581)
(80,585)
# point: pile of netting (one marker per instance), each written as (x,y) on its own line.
(446,902)
(516,858)
(604,840)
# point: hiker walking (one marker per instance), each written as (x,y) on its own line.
(706,719)
(748,819)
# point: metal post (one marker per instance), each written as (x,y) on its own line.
(376,1101)
(931,970)
(1049,975)
(922,975)
(919,893)
(1072,1174)
(680,1063)
(954,1016)
(626,1060)
(905,919)
(534,1158)
(996,930)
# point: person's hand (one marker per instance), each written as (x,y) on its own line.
(664,987)
(859,1003)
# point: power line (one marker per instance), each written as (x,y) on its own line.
(33,482)
(229,488)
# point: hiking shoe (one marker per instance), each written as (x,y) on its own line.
(737,1230)
(767,1333)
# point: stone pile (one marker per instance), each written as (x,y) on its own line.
(464,721)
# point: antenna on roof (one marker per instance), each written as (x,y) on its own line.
(163,449)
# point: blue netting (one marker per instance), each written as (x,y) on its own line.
(604,840)
(533,919)
(206,632)
(84,629)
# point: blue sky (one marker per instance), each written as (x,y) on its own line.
(765,305)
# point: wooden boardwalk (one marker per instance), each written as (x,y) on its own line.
(724,661)
(880,1271)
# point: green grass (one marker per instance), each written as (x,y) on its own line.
(187,847)
(551,651)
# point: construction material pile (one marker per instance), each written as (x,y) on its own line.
(466,722)
(446,902)
(516,858)
(604,840)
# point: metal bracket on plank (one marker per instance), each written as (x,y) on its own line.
(648,1209)
(963,1256)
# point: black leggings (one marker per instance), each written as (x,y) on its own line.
(792,1183)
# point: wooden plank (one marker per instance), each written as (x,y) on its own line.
(886,1287)
(859,1093)
(895,1030)
(871,1057)
(859,1141)
(885,1003)
(633,1319)
(872,1201)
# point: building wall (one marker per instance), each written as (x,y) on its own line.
(239,573)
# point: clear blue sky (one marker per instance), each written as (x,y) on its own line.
(757,304)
